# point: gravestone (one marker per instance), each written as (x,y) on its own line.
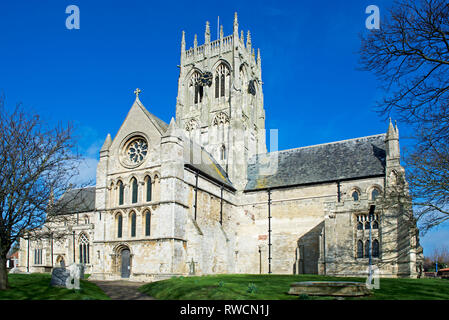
(329,288)
(62,277)
(59,277)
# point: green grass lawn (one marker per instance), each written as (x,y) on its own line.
(275,287)
(36,286)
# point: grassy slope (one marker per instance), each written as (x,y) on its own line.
(275,287)
(36,286)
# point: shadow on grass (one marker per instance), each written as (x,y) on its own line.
(275,287)
(37,287)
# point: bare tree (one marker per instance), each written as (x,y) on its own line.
(410,57)
(37,164)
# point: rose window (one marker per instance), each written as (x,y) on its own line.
(137,150)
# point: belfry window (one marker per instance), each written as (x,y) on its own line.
(222,80)
(195,89)
(217,86)
(355,196)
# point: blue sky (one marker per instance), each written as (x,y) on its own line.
(313,92)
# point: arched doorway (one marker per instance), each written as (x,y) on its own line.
(60,261)
(125,263)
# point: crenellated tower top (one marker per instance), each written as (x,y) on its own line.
(220,94)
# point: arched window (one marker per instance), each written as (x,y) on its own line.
(367,249)
(222,81)
(84,249)
(147,223)
(121,192)
(375,225)
(135,189)
(359,226)
(133,224)
(375,248)
(38,256)
(355,196)
(156,188)
(223,153)
(86,219)
(148,188)
(222,85)
(359,249)
(374,194)
(195,88)
(367,225)
(119,226)
(111,197)
(217,86)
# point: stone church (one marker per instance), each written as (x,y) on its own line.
(201,195)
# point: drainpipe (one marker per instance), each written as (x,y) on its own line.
(196,192)
(28,255)
(338,191)
(74,260)
(51,238)
(269,231)
(221,206)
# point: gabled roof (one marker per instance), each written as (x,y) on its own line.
(75,201)
(341,160)
(199,159)
(160,124)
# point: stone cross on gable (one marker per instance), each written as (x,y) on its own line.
(136,92)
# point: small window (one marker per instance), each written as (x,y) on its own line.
(359,249)
(355,196)
(84,249)
(367,249)
(147,223)
(367,225)
(121,191)
(148,189)
(135,189)
(37,256)
(223,153)
(374,194)
(375,248)
(119,225)
(375,225)
(133,224)
(359,226)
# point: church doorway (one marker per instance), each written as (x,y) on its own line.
(60,261)
(126,267)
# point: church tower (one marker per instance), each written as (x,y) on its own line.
(220,99)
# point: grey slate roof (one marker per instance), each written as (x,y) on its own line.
(348,159)
(203,161)
(76,201)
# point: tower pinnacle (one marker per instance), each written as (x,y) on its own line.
(207,33)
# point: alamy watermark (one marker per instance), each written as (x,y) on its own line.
(373,20)
(73,20)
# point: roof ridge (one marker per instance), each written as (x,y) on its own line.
(328,143)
